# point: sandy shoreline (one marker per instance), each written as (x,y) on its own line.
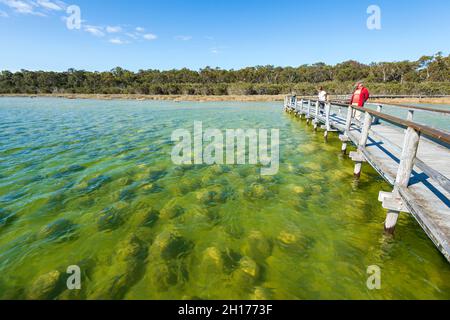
(200,98)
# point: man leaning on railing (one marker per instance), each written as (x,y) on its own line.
(359,98)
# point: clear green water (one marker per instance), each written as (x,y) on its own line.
(91,183)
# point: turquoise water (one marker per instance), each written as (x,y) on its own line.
(91,183)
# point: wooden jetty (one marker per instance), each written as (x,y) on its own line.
(413,158)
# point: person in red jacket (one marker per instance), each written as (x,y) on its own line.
(360,96)
(359,99)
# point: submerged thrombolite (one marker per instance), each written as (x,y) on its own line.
(99,190)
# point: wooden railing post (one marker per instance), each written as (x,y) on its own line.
(408,157)
(358,157)
(379,109)
(345,138)
(308,116)
(410,115)
(405,169)
(368,119)
(316,119)
(348,123)
(301,107)
(327,120)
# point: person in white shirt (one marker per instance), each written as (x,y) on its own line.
(323,97)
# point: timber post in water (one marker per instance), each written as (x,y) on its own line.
(358,156)
(348,124)
(316,119)
(308,114)
(419,152)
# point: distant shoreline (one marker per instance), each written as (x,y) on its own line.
(139,97)
(211,98)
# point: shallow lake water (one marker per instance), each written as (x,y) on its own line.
(91,183)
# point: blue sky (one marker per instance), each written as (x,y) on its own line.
(166,34)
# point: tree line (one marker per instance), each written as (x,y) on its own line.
(428,75)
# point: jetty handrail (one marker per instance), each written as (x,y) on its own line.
(418,129)
(436,134)
(402,106)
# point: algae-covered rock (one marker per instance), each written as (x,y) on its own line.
(246,171)
(97,183)
(148,218)
(163,276)
(127,268)
(6,217)
(215,195)
(295,241)
(213,214)
(170,245)
(212,261)
(10,289)
(257,246)
(287,238)
(187,185)
(68,171)
(128,193)
(261,294)
(257,191)
(125,182)
(220,169)
(46,287)
(156,175)
(236,230)
(152,188)
(314,166)
(249,267)
(172,210)
(58,230)
(110,219)
(247,272)
(209,179)
(131,248)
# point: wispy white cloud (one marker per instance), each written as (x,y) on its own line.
(113,29)
(20,6)
(49,5)
(43,7)
(94,30)
(34,7)
(132,35)
(217,50)
(183,38)
(150,36)
(118,41)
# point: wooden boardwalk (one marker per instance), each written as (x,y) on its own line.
(414,159)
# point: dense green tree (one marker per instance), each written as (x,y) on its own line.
(428,75)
